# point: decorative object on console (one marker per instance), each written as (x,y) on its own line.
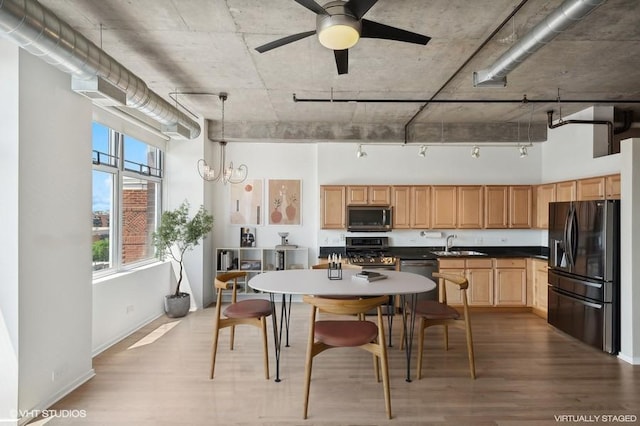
(247,237)
(245,203)
(224,173)
(284,202)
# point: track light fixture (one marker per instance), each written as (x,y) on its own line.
(523,151)
(423,151)
(475,152)
(360,153)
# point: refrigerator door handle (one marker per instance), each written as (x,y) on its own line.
(571,235)
(566,243)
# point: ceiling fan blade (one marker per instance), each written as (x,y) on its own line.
(371,29)
(312,6)
(283,41)
(360,7)
(342,60)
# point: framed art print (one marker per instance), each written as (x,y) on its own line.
(246,203)
(284,202)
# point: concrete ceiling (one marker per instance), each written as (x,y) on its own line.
(199,48)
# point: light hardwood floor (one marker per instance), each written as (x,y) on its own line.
(527,374)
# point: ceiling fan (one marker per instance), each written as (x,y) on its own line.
(339,26)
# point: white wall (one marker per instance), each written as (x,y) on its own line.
(630,251)
(569,152)
(127,301)
(271,161)
(9,220)
(54,186)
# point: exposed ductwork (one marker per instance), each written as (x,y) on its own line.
(40,32)
(567,14)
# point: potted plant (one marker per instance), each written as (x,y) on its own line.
(176,235)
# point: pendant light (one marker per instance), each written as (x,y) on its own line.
(226,174)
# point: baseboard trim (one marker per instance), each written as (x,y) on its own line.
(629,359)
(97,351)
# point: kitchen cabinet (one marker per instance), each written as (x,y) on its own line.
(496,206)
(371,195)
(500,282)
(508,206)
(332,207)
(520,202)
(612,185)
(591,189)
(545,194)
(444,208)
(566,191)
(420,207)
(401,204)
(540,284)
(510,277)
(470,207)
(478,272)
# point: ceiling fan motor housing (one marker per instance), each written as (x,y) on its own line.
(338,18)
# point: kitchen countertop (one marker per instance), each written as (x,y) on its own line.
(422,252)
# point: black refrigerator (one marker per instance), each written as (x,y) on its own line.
(584,271)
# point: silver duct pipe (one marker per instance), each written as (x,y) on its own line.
(40,32)
(567,14)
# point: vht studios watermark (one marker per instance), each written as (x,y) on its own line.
(596,418)
(49,414)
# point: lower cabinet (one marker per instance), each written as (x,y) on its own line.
(492,282)
(540,279)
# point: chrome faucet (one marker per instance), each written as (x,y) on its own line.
(449,242)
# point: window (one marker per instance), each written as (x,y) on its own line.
(127,184)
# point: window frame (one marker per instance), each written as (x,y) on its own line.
(120,172)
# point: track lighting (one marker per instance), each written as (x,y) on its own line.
(423,151)
(523,151)
(475,152)
(360,153)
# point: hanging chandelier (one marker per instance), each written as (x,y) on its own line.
(226,174)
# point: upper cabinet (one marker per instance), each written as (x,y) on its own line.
(332,207)
(591,188)
(508,207)
(444,207)
(496,207)
(612,185)
(377,195)
(420,207)
(470,207)
(401,204)
(566,191)
(520,206)
(545,194)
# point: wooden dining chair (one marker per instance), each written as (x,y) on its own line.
(252,312)
(344,266)
(433,312)
(333,333)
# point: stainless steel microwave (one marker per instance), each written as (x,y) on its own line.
(369,218)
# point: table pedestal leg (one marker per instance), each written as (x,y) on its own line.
(408,331)
(285,317)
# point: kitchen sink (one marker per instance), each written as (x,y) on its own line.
(453,253)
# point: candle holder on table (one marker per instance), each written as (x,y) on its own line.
(334,271)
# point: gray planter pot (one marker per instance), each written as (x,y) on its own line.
(177,306)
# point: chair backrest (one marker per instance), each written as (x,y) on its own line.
(459,280)
(344,266)
(221,282)
(345,306)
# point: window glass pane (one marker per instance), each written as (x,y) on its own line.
(140,157)
(102,146)
(139,216)
(102,219)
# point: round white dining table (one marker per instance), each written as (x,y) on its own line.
(316,282)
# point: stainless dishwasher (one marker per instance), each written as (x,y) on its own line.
(424,267)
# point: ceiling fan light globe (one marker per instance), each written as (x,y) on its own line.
(338,37)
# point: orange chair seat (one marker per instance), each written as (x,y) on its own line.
(254,308)
(430,309)
(345,333)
